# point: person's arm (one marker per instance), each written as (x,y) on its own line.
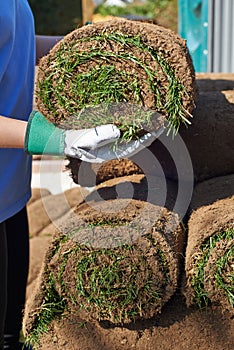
(44,43)
(38,136)
(12,133)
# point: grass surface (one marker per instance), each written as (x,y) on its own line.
(200,294)
(226,281)
(106,85)
(53,306)
(107,280)
(116,284)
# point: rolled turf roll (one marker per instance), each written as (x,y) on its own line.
(115,261)
(121,72)
(210,249)
(118,62)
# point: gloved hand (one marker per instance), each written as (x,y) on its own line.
(120,150)
(43,137)
(94,145)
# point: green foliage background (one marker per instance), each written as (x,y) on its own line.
(163,12)
(59,17)
(56,17)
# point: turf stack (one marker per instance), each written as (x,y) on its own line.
(99,73)
(209,139)
(210,249)
(114,261)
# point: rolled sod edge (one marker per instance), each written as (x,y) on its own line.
(61,245)
(172,48)
(205,224)
(218,274)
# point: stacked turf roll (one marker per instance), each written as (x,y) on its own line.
(114,260)
(210,248)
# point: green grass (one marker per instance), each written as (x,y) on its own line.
(225,282)
(107,284)
(116,284)
(93,93)
(53,306)
(197,283)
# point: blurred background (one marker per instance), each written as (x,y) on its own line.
(207,25)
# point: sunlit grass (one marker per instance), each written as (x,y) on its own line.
(197,283)
(104,85)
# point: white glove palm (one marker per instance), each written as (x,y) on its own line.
(97,145)
(78,143)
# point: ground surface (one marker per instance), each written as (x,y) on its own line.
(178,328)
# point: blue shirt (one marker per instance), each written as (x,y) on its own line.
(17,62)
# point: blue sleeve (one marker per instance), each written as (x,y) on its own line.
(7,29)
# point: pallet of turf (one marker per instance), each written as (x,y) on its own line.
(210,248)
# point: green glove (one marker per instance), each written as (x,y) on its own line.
(43,137)
(89,145)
